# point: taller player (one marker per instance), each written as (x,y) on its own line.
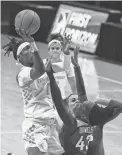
(80,118)
(40,124)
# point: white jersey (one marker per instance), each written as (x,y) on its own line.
(36,94)
(61,77)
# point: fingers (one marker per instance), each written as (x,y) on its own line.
(24,35)
(67,39)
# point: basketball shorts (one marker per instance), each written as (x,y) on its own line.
(43,135)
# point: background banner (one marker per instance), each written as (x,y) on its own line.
(83,25)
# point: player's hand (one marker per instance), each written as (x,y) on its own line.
(66,44)
(75,58)
(25,37)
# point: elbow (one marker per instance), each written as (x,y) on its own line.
(37,73)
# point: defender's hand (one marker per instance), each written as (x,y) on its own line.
(75,58)
(66,44)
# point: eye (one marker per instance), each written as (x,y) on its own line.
(73,99)
(57,48)
(52,48)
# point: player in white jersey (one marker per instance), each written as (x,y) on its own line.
(59,51)
(64,75)
(41,119)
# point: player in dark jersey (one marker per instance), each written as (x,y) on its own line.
(83,117)
(77,134)
(96,114)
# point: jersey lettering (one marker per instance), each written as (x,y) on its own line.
(83,142)
(80,143)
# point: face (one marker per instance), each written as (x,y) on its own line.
(78,109)
(25,57)
(55,50)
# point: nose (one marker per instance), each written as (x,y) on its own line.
(55,50)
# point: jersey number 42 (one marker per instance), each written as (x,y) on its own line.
(83,142)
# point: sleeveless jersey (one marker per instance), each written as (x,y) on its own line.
(78,142)
(36,94)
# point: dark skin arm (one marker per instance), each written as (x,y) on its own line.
(98,115)
(38,68)
(79,79)
(62,109)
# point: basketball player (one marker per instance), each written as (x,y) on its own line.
(41,118)
(81,118)
(64,73)
(61,61)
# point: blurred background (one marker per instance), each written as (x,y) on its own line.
(105,23)
(100,59)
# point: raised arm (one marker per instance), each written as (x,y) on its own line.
(79,79)
(112,105)
(63,110)
(68,65)
(38,67)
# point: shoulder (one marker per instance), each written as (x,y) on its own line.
(23,77)
(89,104)
(24,71)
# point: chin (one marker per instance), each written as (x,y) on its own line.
(29,64)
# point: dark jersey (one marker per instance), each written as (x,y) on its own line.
(99,116)
(75,139)
(76,143)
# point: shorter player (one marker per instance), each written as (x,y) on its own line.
(58,50)
(80,118)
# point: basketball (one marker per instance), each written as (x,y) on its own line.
(28,20)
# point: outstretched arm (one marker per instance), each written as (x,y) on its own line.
(68,65)
(100,115)
(79,79)
(63,111)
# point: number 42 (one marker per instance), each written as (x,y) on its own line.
(81,144)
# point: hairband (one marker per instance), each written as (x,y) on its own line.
(21,47)
(54,40)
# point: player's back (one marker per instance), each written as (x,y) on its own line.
(76,143)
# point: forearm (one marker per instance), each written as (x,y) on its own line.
(115,104)
(66,62)
(100,115)
(80,84)
(116,107)
(72,83)
(55,92)
(63,112)
(109,103)
(38,65)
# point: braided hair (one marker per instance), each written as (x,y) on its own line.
(12,46)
